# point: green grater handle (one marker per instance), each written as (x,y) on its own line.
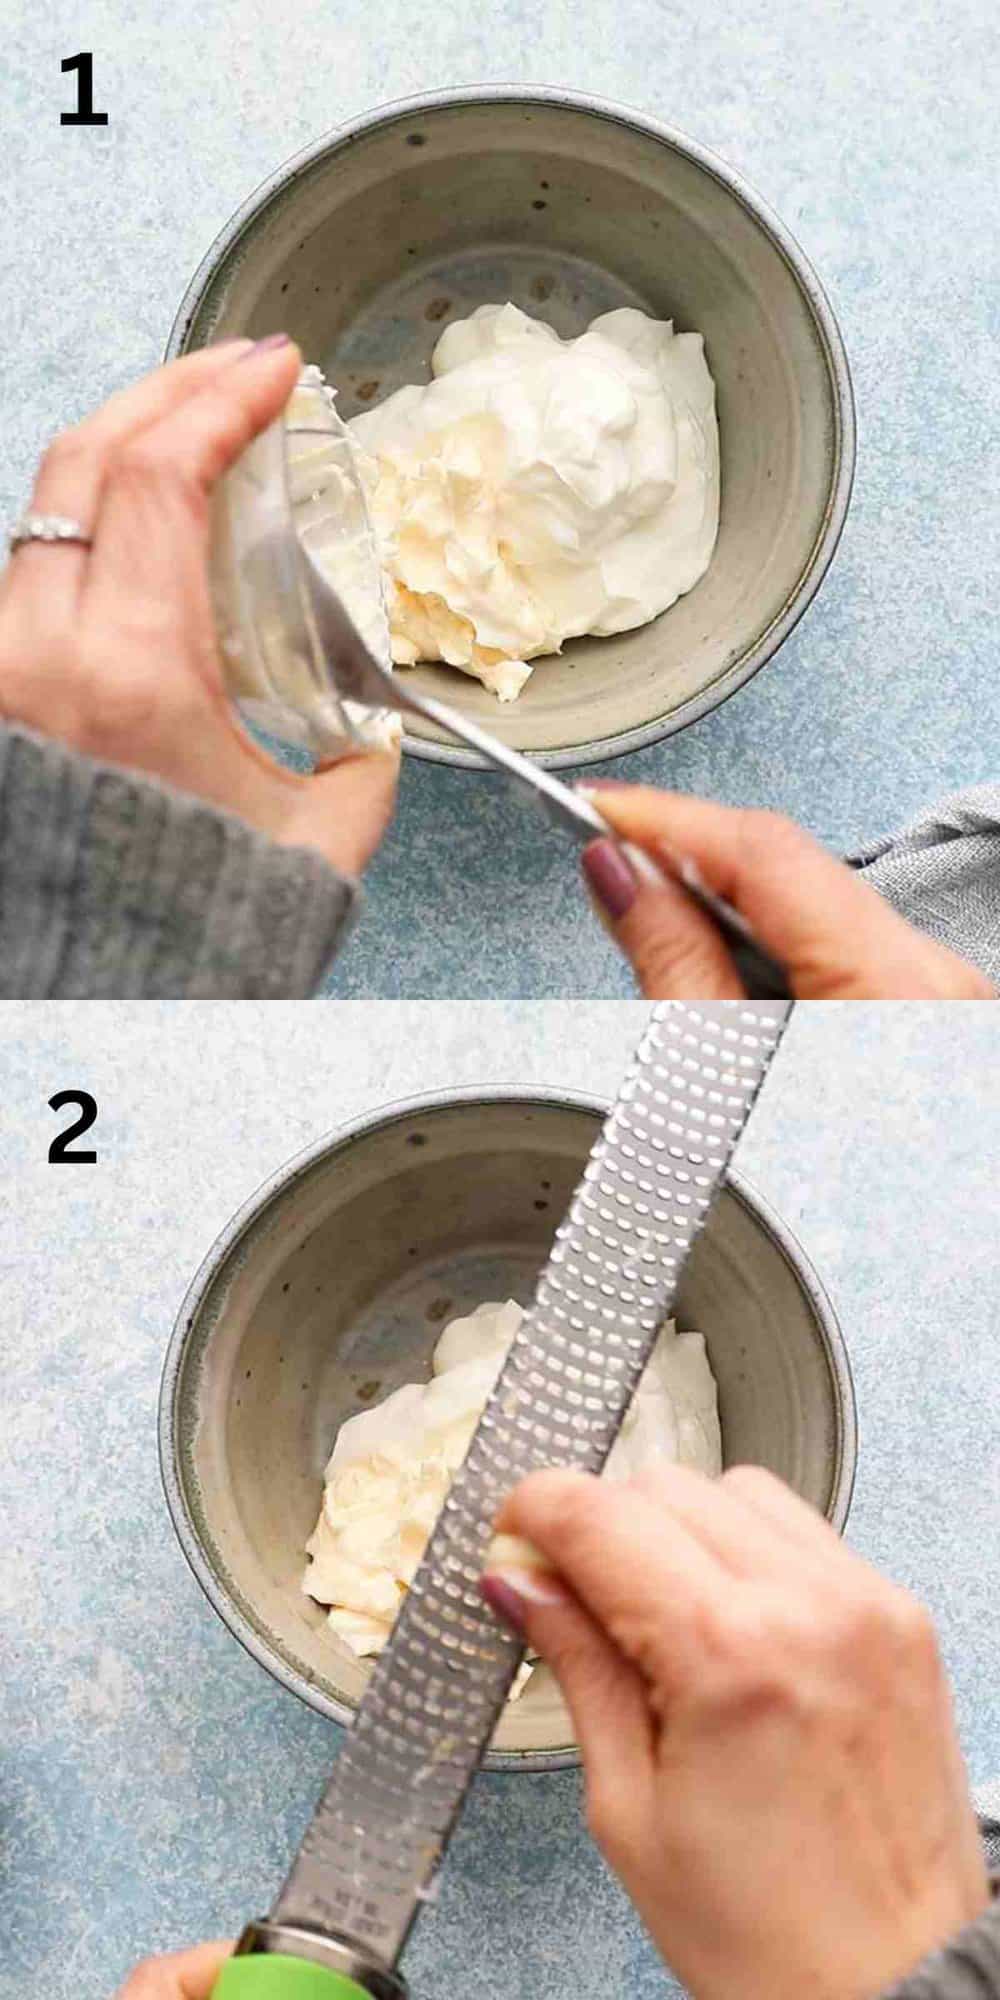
(273,1976)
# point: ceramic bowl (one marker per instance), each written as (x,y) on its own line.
(364,246)
(331,1287)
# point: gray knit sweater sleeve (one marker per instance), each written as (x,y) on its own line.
(967,1969)
(114,887)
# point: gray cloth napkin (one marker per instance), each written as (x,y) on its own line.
(943,873)
(987,1802)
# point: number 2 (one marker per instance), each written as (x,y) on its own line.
(87,1107)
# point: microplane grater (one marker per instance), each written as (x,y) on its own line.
(375,1842)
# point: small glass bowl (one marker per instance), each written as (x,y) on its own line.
(298,482)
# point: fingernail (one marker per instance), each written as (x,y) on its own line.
(234,345)
(269,341)
(593,792)
(504,1601)
(510,1594)
(611,877)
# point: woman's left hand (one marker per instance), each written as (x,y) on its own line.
(112,649)
(180,1975)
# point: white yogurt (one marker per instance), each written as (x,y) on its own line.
(392,1465)
(538,489)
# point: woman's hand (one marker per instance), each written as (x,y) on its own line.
(181,1975)
(770,1758)
(837,938)
(112,649)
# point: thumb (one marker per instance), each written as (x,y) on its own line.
(675,950)
(604,1693)
(198,1969)
(838,937)
(345,810)
(178,1975)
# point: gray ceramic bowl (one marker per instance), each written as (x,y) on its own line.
(367,243)
(330,1288)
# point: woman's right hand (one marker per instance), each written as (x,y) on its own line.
(837,938)
(770,1759)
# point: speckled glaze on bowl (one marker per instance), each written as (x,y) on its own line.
(364,246)
(329,1289)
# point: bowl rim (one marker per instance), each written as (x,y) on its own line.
(844,443)
(338,1139)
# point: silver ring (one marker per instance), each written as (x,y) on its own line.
(48,528)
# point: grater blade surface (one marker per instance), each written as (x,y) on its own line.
(379,1832)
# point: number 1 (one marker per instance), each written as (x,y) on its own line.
(84,113)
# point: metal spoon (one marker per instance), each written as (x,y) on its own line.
(359,677)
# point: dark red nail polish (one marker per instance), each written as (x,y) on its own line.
(270,340)
(506,1602)
(611,877)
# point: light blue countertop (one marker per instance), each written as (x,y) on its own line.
(154,1779)
(868,124)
